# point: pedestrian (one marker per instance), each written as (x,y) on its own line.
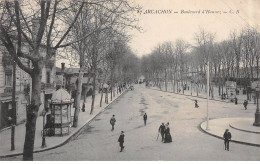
(121,140)
(112,122)
(196,104)
(235,101)
(145,118)
(227,137)
(162,131)
(83,107)
(168,137)
(245,104)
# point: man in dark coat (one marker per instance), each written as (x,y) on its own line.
(112,122)
(83,107)
(196,104)
(227,137)
(245,104)
(162,131)
(145,118)
(121,140)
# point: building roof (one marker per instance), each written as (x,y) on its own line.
(68,70)
(61,96)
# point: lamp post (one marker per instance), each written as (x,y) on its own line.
(46,105)
(257,113)
(207,128)
(43,131)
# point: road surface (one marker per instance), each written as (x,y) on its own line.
(98,142)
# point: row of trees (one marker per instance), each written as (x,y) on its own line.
(234,59)
(94,31)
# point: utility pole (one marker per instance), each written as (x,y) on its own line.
(13,120)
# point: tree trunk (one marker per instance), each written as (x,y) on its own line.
(101,95)
(165,79)
(93,94)
(102,87)
(32,113)
(106,97)
(78,98)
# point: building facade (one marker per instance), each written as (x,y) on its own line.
(23,86)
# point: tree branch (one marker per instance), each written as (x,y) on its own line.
(68,30)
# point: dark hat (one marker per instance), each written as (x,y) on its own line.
(226,129)
(122,131)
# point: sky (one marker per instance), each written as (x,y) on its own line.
(169,26)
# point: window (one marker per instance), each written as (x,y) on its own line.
(48,78)
(8,79)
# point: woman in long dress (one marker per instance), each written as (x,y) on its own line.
(168,137)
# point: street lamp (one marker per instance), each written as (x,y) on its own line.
(43,131)
(207,128)
(46,105)
(257,113)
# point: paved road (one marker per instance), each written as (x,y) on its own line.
(98,142)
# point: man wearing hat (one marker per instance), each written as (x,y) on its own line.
(112,122)
(162,131)
(227,137)
(121,140)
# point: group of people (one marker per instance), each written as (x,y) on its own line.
(165,133)
(122,136)
(164,130)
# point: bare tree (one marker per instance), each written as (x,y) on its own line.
(15,31)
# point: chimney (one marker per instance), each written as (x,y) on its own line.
(62,67)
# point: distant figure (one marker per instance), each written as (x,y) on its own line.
(168,137)
(162,131)
(112,122)
(235,100)
(83,107)
(121,140)
(145,118)
(196,104)
(245,104)
(227,137)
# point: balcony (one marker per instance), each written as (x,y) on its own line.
(7,60)
(7,92)
(49,64)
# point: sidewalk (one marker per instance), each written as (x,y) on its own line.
(203,94)
(241,128)
(54,141)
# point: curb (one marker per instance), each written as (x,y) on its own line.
(75,135)
(235,141)
(243,130)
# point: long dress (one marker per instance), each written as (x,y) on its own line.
(168,137)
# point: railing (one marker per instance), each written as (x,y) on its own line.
(47,86)
(8,90)
(7,60)
(49,64)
